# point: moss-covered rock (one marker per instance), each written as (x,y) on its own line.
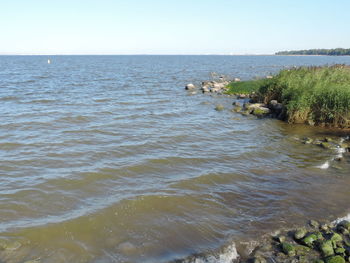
(314,224)
(326,248)
(288,249)
(280,238)
(261,111)
(300,233)
(335,259)
(219,107)
(237,109)
(301,250)
(309,240)
(336,237)
(259,259)
(340,251)
(326,145)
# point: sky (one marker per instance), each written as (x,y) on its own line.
(171,26)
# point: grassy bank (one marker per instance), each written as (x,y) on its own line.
(317,95)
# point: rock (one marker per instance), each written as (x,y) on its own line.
(261,111)
(340,251)
(237,79)
(219,85)
(301,250)
(335,259)
(325,227)
(280,238)
(190,87)
(219,107)
(236,103)
(309,240)
(326,248)
(237,109)
(336,237)
(307,140)
(344,224)
(300,233)
(314,224)
(288,249)
(216,90)
(242,96)
(347,241)
(259,259)
(326,145)
(205,89)
(251,107)
(275,106)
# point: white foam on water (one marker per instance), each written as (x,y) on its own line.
(340,152)
(324,166)
(228,255)
(347,218)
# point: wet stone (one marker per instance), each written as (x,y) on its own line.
(335,259)
(326,248)
(336,237)
(300,233)
(288,249)
(219,107)
(259,259)
(309,240)
(314,224)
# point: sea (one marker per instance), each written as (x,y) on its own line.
(109,159)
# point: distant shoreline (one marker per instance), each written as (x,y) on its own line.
(321,52)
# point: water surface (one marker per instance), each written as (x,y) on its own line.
(109,159)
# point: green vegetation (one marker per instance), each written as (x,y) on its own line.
(317,95)
(327,52)
(245,87)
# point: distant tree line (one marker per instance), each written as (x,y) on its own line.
(327,52)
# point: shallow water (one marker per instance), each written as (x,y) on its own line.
(109,159)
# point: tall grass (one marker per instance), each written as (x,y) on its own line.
(320,95)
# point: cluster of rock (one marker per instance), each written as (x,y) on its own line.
(326,243)
(272,109)
(219,86)
(328,143)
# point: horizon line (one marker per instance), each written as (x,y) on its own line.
(131,54)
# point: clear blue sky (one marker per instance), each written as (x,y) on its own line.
(171,27)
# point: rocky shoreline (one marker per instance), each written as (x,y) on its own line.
(318,243)
(315,242)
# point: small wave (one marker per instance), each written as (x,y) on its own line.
(324,166)
(44,101)
(10,145)
(340,152)
(102,100)
(74,119)
(9,98)
(228,254)
(339,155)
(338,220)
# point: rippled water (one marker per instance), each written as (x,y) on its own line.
(108,159)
